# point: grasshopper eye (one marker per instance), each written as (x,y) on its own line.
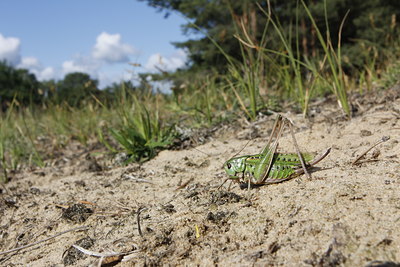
(228,165)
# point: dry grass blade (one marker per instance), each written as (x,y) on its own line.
(100,254)
(133,178)
(5,189)
(108,257)
(138,220)
(44,240)
(383,139)
(184,184)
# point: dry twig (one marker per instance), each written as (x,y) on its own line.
(184,184)
(383,139)
(138,219)
(133,178)
(109,257)
(44,240)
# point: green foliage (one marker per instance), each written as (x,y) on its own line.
(17,84)
(31,136)
(17,140)
(371,22)
(76,89)
(371,31)
(307,51)
(391,76)
(140,133)
(334,61)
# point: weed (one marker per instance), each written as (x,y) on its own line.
(334,60)
(141,133)
(391,75)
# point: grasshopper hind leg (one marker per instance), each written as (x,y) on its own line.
(314,161)
(303,165)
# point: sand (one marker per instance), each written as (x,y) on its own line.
(345,215)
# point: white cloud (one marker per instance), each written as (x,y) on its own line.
(81,64)
(103,63)
(34,66)
(109,48)
(97,70)
(162,86)
(157,62)
(10,49)
(28,63)
(72,66)
(110,77)
(47,74)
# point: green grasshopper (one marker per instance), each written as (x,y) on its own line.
(270,167)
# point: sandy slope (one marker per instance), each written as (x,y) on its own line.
(346,215)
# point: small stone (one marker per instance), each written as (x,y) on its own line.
(365,133)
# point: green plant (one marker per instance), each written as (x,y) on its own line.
(391,75)
(295,72)
(141,133)
(4,177)
(16,142)
(334,60)
(291,64)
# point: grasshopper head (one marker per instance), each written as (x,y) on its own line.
(234,167)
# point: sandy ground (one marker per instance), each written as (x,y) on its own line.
(170,211)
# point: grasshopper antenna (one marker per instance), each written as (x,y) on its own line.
(237,153)
(209,155)
(198,150)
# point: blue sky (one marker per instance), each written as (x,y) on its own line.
(99,37)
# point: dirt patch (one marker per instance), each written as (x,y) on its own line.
(171,210)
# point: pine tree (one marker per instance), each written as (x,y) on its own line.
(371,22)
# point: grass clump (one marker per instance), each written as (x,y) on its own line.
(17,143)
(294,74)
(141,133)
